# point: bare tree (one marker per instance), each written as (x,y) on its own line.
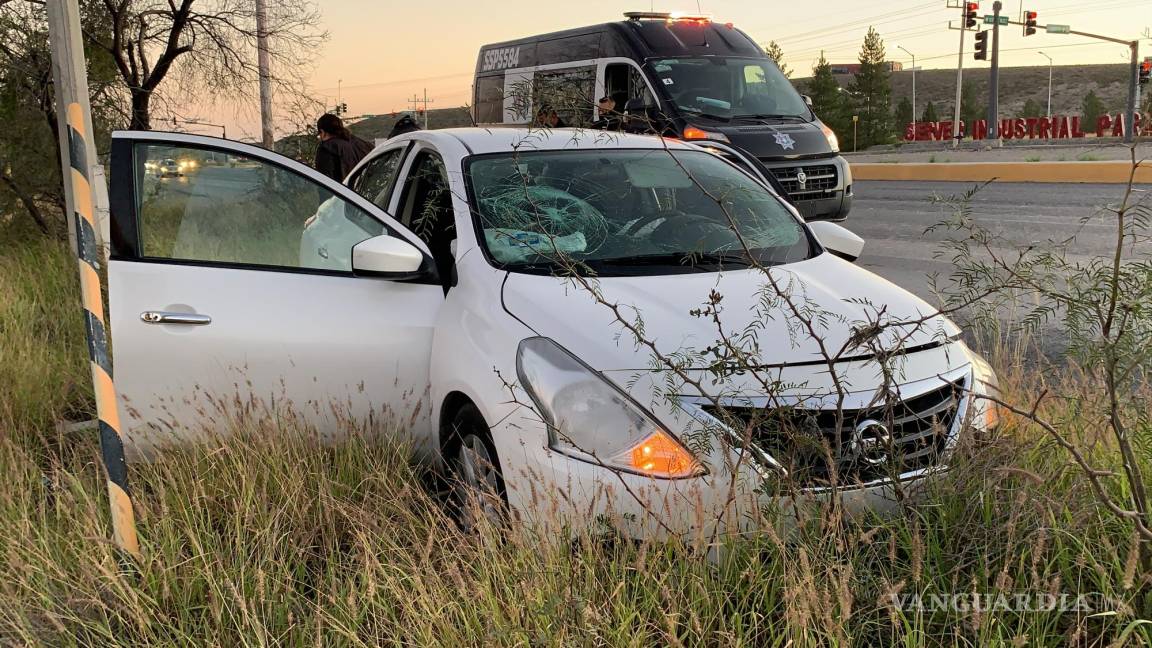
(205,46)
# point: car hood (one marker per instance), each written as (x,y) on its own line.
(667,308)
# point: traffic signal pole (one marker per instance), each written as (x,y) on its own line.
(994,77)
(959,89)
(1134,79)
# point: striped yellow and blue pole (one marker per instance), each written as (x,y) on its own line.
(89,256)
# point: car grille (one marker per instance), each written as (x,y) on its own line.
(815,453)
(818,180)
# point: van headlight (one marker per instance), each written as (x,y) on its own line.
(590,419)
(830,135)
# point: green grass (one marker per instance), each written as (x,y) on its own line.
(1088,157)
(1032,158)
(267,538)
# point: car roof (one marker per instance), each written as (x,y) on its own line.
(479,141)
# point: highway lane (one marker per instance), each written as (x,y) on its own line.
(893,218)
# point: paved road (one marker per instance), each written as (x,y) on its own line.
(892,218)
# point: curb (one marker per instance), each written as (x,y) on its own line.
(1107,172)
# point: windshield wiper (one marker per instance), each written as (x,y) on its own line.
(762,116)
(700,113)
(685,259)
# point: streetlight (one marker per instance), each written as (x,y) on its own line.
(1049,82)
(913,89)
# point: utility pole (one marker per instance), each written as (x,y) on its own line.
(994,77)
(416,101)
(1049,82)
(913,88)
(77,159)
(964,13)
(262,61)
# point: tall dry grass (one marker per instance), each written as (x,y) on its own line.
(266,537)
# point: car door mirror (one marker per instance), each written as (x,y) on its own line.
(838,240)
(807,100)
(388,257)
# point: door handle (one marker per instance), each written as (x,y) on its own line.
(165,317)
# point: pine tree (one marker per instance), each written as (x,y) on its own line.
(930,113)
(776,53)
(972,107)
(828,100)
(871,90)
(1092,108)
(904,114)
(1032,108)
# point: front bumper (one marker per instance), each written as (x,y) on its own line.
(742,493)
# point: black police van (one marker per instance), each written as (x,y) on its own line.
(699,80)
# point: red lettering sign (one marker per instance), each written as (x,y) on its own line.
(1055,127)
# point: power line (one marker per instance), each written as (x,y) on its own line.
(399,81)
(880,19)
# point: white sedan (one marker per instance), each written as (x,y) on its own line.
(480,293)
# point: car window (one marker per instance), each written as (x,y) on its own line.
(376,179)
(202,205)
(426,206)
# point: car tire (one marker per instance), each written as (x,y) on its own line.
(477,494)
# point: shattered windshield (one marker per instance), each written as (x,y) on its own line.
(617,211)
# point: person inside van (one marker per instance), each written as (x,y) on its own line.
(611,119)
(548,118)
(339,149)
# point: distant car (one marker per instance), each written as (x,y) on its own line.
(420,289)
(169,168)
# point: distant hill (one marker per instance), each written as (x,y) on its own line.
(378,126)
(1017,85)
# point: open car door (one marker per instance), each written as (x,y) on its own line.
(233,294)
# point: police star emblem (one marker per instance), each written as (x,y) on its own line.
(785,141)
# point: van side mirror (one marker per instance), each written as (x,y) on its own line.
(388,257)
(807,100)
(838,240)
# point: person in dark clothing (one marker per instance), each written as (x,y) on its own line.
(404,125)
(339,149)
(610,118)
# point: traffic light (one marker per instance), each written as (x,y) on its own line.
(1029,23)
(982,45)
(1146,71)
(970,9)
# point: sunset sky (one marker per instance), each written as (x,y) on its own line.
(381,53)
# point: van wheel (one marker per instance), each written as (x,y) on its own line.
(477,487)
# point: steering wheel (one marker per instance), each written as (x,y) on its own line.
(548,210)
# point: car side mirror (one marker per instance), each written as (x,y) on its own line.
(388,257)
(838,240)
(807,100)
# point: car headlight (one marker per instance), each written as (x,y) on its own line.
(987,412)
(591,419)
(833,141)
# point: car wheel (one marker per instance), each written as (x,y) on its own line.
(477,488)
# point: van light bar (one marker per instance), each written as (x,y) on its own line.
(672,17)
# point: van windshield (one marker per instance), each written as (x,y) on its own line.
(730,88)
(628,212)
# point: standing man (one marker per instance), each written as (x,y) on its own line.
(339,149)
